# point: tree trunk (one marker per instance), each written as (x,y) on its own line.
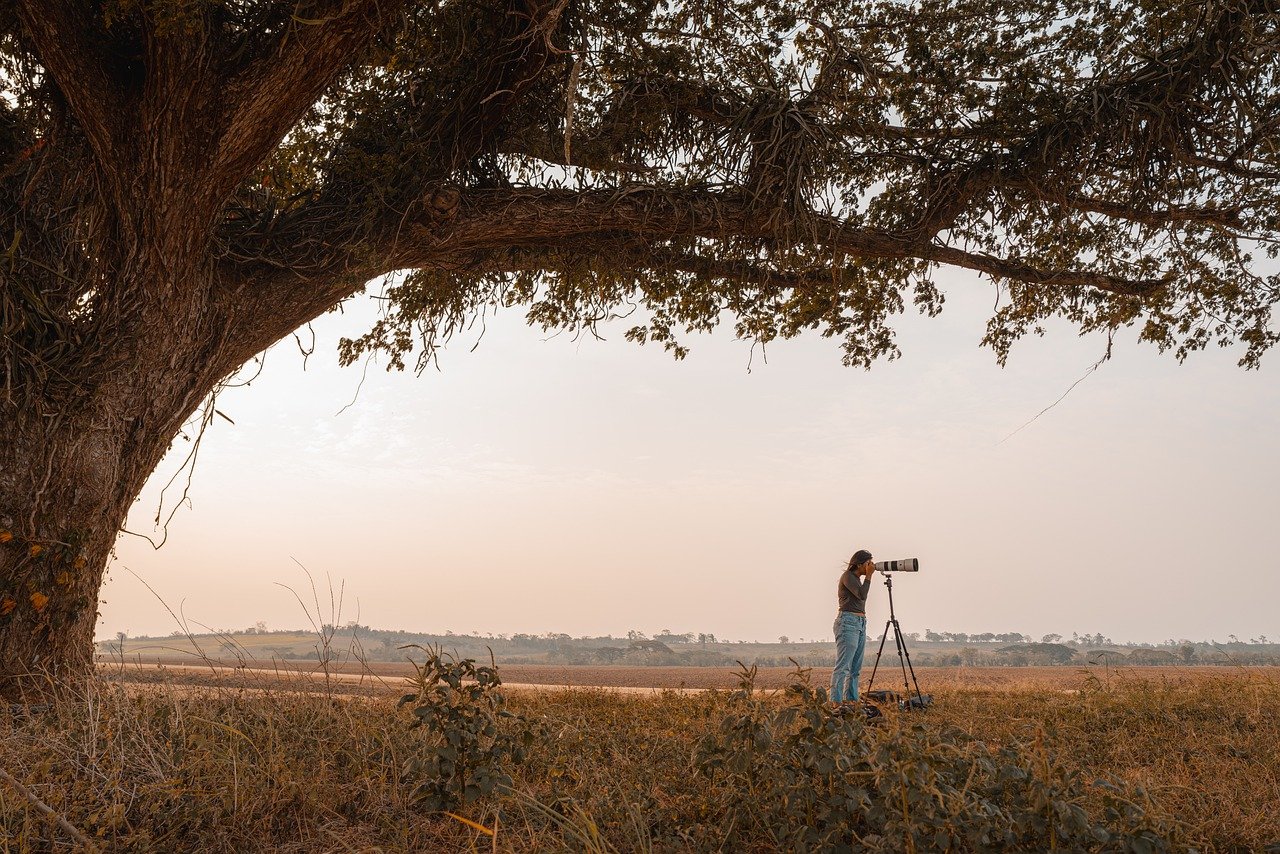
(69,473)
(66,485)
(59,514)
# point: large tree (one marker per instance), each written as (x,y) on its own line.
(184,182)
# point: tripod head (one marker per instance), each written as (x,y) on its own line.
(888,585)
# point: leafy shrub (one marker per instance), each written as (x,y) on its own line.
(466,748)
(811,777)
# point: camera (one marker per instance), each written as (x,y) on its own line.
(909,564)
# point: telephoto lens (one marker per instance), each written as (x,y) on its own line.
(909,564)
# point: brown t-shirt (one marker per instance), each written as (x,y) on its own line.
(852,592)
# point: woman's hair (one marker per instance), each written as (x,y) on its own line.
(860,557)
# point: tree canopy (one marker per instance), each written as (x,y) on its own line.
(185,182)
(796,165)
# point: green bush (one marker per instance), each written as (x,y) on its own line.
(810,777)
(464,753)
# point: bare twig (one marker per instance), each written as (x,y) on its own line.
(66,826)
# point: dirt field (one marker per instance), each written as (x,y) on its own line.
(379,676)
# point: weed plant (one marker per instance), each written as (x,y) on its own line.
(466,750)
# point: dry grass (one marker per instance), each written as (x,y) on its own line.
(1205,746)
(158,768)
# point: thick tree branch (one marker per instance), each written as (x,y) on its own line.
(569,219)
(266,98)
(66,38)
(1171,215)
(1018,271)
(487,229)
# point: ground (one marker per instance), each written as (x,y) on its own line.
(151,757)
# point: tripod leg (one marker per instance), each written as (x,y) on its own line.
(914,681)
(874,667)
(904,657)
(902,660)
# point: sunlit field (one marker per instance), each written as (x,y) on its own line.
(1088,760)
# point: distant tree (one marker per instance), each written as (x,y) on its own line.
(784,639)
(1188,653)
(1029,652)
(183,184)
(1053,638)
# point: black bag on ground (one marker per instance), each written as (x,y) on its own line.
(884,697)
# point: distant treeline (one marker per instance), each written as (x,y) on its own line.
(947,649)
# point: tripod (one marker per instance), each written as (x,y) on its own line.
(904,657)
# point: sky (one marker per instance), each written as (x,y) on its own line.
(539,484)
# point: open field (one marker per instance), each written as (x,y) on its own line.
(1027,759)
(379,646)
(931,679)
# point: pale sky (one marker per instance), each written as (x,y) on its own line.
(541,484)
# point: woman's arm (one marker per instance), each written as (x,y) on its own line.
(857,584)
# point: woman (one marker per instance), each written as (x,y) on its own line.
(851,626)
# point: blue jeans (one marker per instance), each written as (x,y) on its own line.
(851,639)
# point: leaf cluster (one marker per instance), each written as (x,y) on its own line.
(468,738)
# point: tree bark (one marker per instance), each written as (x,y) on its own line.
(66,485)
(70,470)
(67,482)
